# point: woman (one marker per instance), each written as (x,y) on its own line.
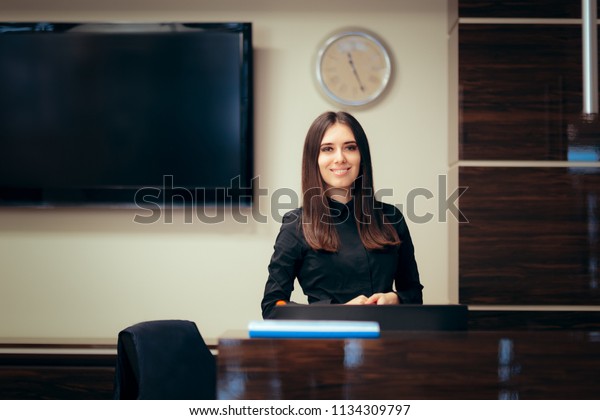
(343,246)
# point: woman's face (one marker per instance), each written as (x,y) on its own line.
(339,161)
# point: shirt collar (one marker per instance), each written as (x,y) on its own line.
(339,209)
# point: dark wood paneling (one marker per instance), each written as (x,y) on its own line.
(520,8)
(56,376)
(520,93)
(532,237)
(490,320)
(413,366)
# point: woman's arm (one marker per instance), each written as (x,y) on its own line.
(407,282)
(284,265)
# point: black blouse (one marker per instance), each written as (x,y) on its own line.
(337,277)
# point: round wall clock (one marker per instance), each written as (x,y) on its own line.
(353,68)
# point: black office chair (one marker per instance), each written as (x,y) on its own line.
(164,360)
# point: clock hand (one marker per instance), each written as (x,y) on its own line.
(355,72)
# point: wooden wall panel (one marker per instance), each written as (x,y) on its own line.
(520,8)
(532,237)
(520,92)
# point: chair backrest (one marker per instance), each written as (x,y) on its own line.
(164,360)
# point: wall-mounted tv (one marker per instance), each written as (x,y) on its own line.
(110,113)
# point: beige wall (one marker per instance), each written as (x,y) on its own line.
(89,273)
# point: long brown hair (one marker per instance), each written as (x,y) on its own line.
(317,223)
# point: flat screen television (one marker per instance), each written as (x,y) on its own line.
(114,113)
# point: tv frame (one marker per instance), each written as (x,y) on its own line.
(240,193)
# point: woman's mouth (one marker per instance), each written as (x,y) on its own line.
(340,172)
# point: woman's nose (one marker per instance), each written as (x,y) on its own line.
(339,156)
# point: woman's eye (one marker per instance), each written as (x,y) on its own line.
(352,147)
(326,149)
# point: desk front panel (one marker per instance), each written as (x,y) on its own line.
(414,365)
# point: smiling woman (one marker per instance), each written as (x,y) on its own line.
(342,245)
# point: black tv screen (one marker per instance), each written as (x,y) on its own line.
(107,113)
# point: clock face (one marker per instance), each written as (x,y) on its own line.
(353,68)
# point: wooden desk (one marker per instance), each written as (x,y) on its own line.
(413,365)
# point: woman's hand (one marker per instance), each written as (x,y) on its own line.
(389,298)
(358,300)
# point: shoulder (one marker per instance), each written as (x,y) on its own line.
(291,222)
(290,234)
(292,217)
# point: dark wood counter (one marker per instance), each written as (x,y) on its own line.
(414,365)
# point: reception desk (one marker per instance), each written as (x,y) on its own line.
(413,365)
